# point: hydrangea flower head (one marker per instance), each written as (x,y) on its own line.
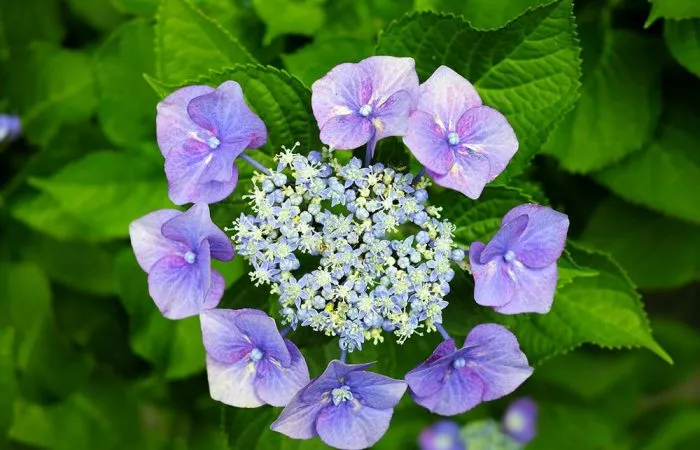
(347,407)
(201,131)
(520,420)
(444,435)
(10,127)
(249,363)
(516,271)
(175,249)
(359,103)
(488,366)
(462,144)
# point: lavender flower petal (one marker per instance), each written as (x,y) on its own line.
(233,384)
(428,143)
(351,425)
(520,420)
(276,384)
(468,174)
(173,125)
(543,240)
(194,225)
(447,95)
(346,132)
(443,435)
(390,74)
(147,240)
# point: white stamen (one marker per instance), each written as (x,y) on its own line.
(366,110)
(190,257)
(453,138)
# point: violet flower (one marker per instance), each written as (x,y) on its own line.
(520,419)
(175,249)
(488,366)
(462,144)
(443,435)
(249,364)
(357,104)
(347,407)
(516,271)
(201,131)
(10,127)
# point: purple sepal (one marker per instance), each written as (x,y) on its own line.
(249,364)
(520,420)
(175,249)
(347,407)
(488,366)
(516,272)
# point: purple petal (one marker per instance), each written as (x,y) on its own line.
(148,242)
(261,331)
(375,390)
(391,117)
(195,225)
(298,419)
(520,420)
(444,435)
(275,384)
(493,353)
(232,384)
(543,240)
(426,379)
(217,285)
(458,390)
(185,168)
(341,92)
(389,75)
(533,291)
(505,239)
(173,123)
(329,379)
(222,340)
(468,174)
(446,96)
(486,131)
(493,285)
(178,287)
(225,114)
(346,132)
(427,142)
(351,425)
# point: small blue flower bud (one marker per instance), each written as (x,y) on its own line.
(314,156)
(422,237)
(457,255)
(267,185)
(403,262)
(421,195)
(279,179)
(362,214)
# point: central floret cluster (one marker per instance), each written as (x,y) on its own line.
(369,279)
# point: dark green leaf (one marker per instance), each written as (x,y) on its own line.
(313,61)
(673,9)
(303,17)
(683,40)
(482,14)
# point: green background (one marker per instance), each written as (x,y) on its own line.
(603,95)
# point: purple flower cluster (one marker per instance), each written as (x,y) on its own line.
(385,256)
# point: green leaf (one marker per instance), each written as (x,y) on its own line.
(8,382)
(189,43)
(302,17)
(581,428)
(174,347)
(620,80)
(26,21)
(127,106)
(683,40)
(680,428)
(314,60)
(52,87)
(26,298)
(672,9)
(99,14)
(664,176)
(482,14)
(98,191)
(658,252)
(85,267)
(528,70)
(138,7)
(595,302)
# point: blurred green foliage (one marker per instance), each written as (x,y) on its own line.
(603,95)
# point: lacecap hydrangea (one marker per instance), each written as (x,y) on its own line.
(353,250)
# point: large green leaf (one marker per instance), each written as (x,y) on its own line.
(656,251)
(527,70)
(26,21)
(595,302)
(105,191)
(619,104)
(673,9)
(189,43)
(665,175)
(313,61)
(482,14)
(302,17)
(683,40)
(174,347)
(100,14)
(8,381)
(127,105)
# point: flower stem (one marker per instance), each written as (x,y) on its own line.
(443,332)
(285,330)
(370,150)
(254,163)
(343,355)
(418,176)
